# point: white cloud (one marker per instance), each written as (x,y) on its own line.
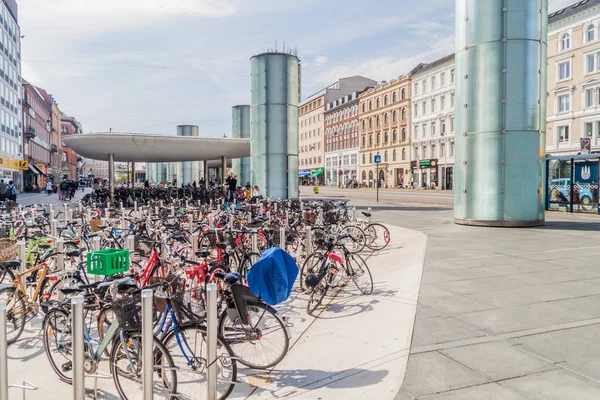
(320,60)
(388,67)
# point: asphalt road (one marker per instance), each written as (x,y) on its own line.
(395,196)
(43,198)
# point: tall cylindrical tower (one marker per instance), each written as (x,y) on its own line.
(241,129)
(185,170)
(500,122)
(274,124)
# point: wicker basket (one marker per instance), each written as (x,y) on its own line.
(8,249)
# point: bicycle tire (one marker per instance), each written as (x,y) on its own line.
(4,272)
(50,330)
(317,295)
(364,272)
(248,261)
(357,243)
(377,240)
(311,269)
(16,312)
(161,355)
(54,293)
(234,331)
(225,382)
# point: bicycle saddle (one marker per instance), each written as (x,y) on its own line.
(232,278)
(13,264)
(71,289)
(44,246)
(178,238)
(366,214)
(127,286)
(203,253)
(75,253)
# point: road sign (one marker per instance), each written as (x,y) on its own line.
(377,159)
(24,165)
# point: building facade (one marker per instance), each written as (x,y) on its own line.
(341,141)
(56,150)
(311,119)
(11,94)
(384,120)
(573,80)
(37,131)
(432,133)
(69,158)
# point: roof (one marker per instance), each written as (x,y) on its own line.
(573,9)
(45,96)
(156,148)
(426,67)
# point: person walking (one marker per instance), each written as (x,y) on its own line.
(64,190)
(232,188)
(11,191)
(49,187)
(2,190)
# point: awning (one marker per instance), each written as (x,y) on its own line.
(35,169)
(317,172)
(303,174)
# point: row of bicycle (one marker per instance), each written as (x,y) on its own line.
(176,253)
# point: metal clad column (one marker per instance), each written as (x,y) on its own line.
(500,139)
(241,129)
(111,176)
(187,168)
(274,109)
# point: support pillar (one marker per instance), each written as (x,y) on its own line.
(132,175)
(223,169)
(205,172)
(111,176)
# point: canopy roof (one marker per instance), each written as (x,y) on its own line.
(156,148)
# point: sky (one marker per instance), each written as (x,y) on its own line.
(150,65)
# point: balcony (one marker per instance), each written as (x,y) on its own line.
(29,132)
(54,148)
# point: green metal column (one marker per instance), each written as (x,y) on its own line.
(500,122)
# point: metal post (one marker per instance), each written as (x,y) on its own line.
(66,214)
(78,348)
(23,255)
(121,205)
(156,210)
(194,239)
(211,340)
(51,211)
(147,345)
(172,211)
(123,222)
(132,182)
(135,209)
(53,227)
(130,243)
(572,182)
(162,203)
(377,181)
(282,238)
(308,244)
(369,211)
(106,213)
(60,257)
(3,354)
(354,213)
(231,218)
(191,221)
(111,176)
(97,243)
(254,242)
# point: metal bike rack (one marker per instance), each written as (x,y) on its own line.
(60,257)
(354,213)
(147,345)
(254,242)
(211,340)
(66,213)
(51,211)
(130,243)
(135,208)
(78,348)
(191,221)
(231,219)
(369,217)
(172,211)
(23,256)
(194,239)
(4,386)
(96,241)
(308,244)
(282,238)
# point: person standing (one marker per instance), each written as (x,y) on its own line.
(232,188)
(2,190)
(49,187)
(11,191)
(256,191)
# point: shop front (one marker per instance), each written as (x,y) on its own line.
(11,170)
(425,173)
(34,177)
(316,177)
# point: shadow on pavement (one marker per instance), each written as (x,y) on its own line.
(405,208)
(571,226)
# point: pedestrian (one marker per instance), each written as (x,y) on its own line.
(49,187)
(2,190)
(256,191)
(11,191)
(146,184)
(248,186)
(232,188)
(202,183)
(64,190)
(194,185)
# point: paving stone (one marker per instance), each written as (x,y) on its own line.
(557,384)
(518,296)
(498,360)
(453,305)
(432,372)
(429,291)
(439,330)
(503,320)
(488,391)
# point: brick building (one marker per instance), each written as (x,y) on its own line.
(37,127)
(69,158)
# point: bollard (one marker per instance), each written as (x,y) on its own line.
(130,243)
(369,211)
(135,209)
(106,213)
(191,222)
(231,218)
(51,211)
(23,255)
(123,222)
(66,214)
(308,244)
(60,257)
(162,203)
(156,210)
(78,348)
(147,344)
(211,340)
(254,242)
(3,354)
(282,238)
(354,213)
(148,222)
(172,211)
(53,227)
(194,239)
(249,219)
(187,203)
(97,243)
(121,205)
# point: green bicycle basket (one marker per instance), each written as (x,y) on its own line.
(107,262)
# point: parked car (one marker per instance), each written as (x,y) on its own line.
(563,186)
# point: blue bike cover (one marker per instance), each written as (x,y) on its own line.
(271,278)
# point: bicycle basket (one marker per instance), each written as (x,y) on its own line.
(127,311)
(185,308)
(8,249)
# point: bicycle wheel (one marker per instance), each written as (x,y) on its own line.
(377,236)
(357,242)
(105,319)
(360,274)
(317,294)
(262,343)
(311,266)
(58,343)
(16,313)
(6,276)
(248,261)
(209,241)
(126,368)
(51,293)
(188,350)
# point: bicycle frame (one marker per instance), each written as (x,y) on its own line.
(18,282)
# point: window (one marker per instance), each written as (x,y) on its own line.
(442,102)
(589,97)
(452,75)
(385,157)
(416,131)
(564,70)
(370,123)
(590,33)
(403,154)
(563,134)
(403,114)
(433,129)
(378,139)
(394,135)
(364,160)
(385,100)
(451,124)
(424,86)
(370,157)
(378,103)
(442,149)
(565,41)
(598,128)
(424,108)
(433,151)
(370,140)
(416,111)
(394,116)
(364,141)
(432,82)
(432,105)
(386,138)
(416,89)
(443,129)
(442,79)
(394,156)
(370,105)
(564,103)
(403,94)
(363,107)
(590,63)
(452,149)
(378,120)
(385,118)
(589,129)
(403,133)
